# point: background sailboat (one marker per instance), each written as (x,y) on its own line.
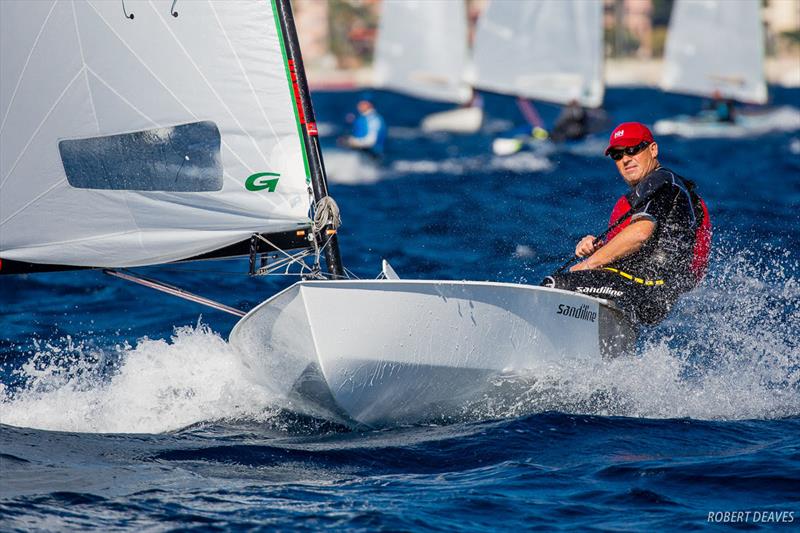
(715,49)
(550,51)
(422,51)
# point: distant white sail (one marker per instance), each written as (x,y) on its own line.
(147,138)
(716,45)
(421,49)
(549,50)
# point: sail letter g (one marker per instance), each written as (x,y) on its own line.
(261,181)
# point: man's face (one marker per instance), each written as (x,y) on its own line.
(633,168)
(363,106)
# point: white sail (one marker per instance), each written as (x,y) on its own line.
(716,46)
(549,50)
(421,49)
(146,138)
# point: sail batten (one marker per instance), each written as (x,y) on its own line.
(727,62)
(128,142)
(549,50)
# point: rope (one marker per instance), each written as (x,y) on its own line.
(289,259)
(326,213)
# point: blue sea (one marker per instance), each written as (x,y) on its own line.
(126,409)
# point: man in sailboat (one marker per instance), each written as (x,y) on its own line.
(369,130)
(659,235)
(571,124)
(721,109)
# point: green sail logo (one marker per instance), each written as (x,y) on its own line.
(261,181)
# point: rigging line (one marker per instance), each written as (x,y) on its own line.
(350,273)
(275,268)
(174,291)
(85,66)
(261,237)
(280,263)
(25,66)
(214,91)
(247,78)
(36,131)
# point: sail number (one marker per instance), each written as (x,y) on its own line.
(262,181)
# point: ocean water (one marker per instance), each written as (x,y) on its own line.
(122,408)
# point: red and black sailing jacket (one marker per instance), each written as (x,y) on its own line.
(679,248)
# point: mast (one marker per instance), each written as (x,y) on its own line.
(308,125)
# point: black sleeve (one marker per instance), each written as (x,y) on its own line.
(653,198)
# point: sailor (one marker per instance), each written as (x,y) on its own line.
(369,130)
(722,109)
(660,235)
(571,124)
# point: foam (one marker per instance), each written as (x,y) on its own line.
(154,387)
(730,351)
(521,162)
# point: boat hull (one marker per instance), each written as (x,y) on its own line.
(461,120)
(785,118)
(393,351)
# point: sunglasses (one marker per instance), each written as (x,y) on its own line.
(617,154)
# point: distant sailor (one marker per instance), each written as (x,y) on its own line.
(661,237)
(721,109)
(369,130)
(571,124)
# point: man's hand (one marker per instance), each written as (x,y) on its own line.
(587,246)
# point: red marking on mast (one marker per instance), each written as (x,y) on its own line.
(296,89)
(311,127)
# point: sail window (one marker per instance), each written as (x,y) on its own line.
(183,158)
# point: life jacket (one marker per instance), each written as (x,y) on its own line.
(702,236)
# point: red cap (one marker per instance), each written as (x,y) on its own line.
(628,134)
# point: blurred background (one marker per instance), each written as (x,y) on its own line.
(338,39)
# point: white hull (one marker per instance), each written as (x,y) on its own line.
(351,167)
(785,118)
(462,120)
(392,351)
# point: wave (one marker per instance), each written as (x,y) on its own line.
(521,162)
(155,387)
(729,351)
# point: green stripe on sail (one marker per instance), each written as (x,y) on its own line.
(291,89)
